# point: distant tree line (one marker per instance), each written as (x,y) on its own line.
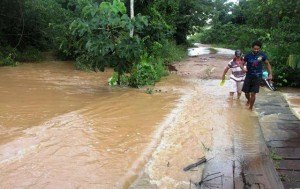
(274,22)
(95,33)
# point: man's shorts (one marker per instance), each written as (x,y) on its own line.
(235,86)
(251,84)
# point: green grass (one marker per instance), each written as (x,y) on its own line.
(275,156)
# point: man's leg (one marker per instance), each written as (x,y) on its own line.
(254,90)
(252,100)
(246,89)
(247,95)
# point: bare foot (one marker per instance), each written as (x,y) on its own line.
(229,100)
(247,103)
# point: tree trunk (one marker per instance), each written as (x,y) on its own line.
(119,74)
(131,15)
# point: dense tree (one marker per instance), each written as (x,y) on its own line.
(96,32)
(275,23)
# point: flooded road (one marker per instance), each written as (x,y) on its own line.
(65,128)
(223,131)
(62,128)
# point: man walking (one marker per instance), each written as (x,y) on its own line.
(254,62)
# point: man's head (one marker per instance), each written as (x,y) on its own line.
(256,46)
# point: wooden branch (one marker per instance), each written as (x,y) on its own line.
(23,26)
(202,160)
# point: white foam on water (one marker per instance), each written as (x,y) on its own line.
(198,51)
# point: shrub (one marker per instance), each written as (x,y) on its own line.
(159,68)
(124,80)
(30,54)
(168,51)
(7,56)
(7,60)
(143,73)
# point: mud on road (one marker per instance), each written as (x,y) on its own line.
(209,125)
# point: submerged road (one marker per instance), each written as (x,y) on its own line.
(63,128)
(236,153)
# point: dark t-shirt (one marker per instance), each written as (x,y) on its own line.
(255,64)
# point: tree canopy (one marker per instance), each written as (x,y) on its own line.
(95,33)
(275,23)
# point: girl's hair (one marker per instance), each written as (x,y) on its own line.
(238,53)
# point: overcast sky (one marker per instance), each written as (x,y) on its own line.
(234,1)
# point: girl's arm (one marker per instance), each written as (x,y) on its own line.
(224,73)
(243,66)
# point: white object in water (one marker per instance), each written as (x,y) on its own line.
(197,51)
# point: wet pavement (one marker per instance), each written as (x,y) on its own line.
(281,130)
(236,153)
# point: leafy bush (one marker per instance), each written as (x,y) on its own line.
(143,73)
(30,54)
(168,51)
(7,60)
(7,56)
(113,80)
(195,38)
(149,91)
(159,68)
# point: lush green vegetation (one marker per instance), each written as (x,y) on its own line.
(95,33)
(275,23)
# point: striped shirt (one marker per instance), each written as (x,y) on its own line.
(237,74)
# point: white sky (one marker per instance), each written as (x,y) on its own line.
(234,1)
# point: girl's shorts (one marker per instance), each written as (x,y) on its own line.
(235,86)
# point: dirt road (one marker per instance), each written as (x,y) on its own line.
(209,125)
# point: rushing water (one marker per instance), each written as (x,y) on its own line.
(292,95)
(224,131)
(67,129)
(201,50)
(62,128)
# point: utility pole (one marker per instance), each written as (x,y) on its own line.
(131,15)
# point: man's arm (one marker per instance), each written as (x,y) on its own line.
(269,68)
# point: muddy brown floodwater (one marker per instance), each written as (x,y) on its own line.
(292,95)
(62,128)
